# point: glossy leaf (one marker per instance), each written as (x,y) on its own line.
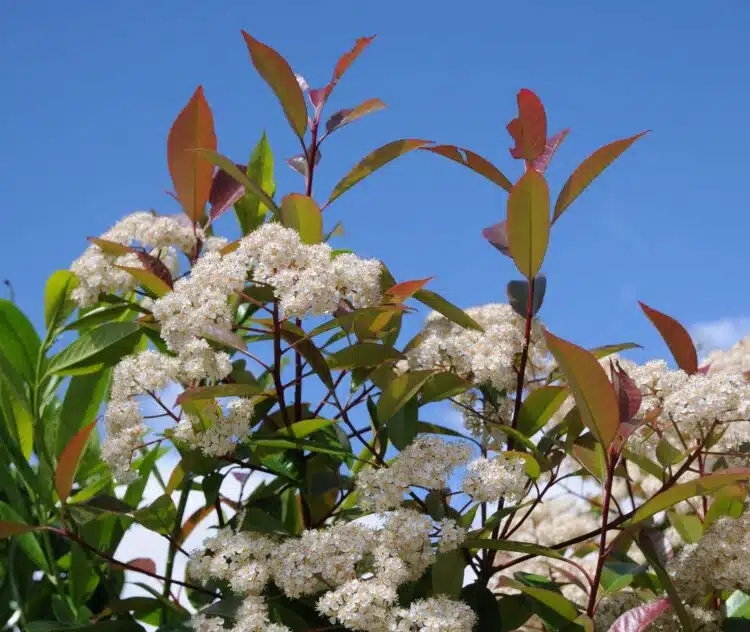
(518,295)
(57,303)
(528,223)
(99,347)
(406,289)
(444,385)
(19,342)
(472,161)
(703,486)
(343,64)
(446,308)
(588,171)
(363,354)
(497,235)
(627,393)
(529,130)
(279,76)
(402,425)
(148,280)
(677,338)
(311,353)
(374,161)
(67,464)
(220,390)
(301,429)
(81,404)
(344,117)
(250,209)
(590,387)
(156,266)
(112,248)
(640,618)
(549,598)
(539,407)
(192,177)
(225,191)
(303,214)
(399,391)
(541,163)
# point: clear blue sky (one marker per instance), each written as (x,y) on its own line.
(91,88)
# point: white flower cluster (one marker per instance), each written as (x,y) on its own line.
(224,430)
(723,557)
(427,462)
(97,270)
(734,360)
(251,616)
(356,568)
(489,480)
(486,357)
(477,412)
(438,614)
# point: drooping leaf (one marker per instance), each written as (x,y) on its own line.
(279,76)
(303,214)
(97,348)
(472,161)
(529,130)
(374,161)
(399,391)
(57,303)
(363,354)
(702,486)
(528,222)
(497,235)
(590,387)
(539,407)
(541,163)
(677,338)
(518,295)
(67,464)
(641,617)
(449,310)
(250,209)
(344,117)
(588,171)
(191,177)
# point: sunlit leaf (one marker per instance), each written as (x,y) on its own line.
(541,163)
(528,222)
(225,191)
(251,209)
(539,407)
(279,76)
(640,618)
(220,390)
(588,171)
(497,235)
(472,161)
(728,501)
(99,347)
(343,64)
(148,280)
(688,526)
(111,247)
(192,177)
(677,338)
(67,464)
(529,130)
(448,573)
(373,162)
(303,214)
(19,342)
(590,387)
(443,385)
(363,354)
(57,303)
(407,289)
(446,308)
(300,429)
(549,598)
(399,391)
(344,117)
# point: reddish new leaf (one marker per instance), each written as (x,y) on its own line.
(144,564)
(529,130)
(374,161)
(626,391)
(639,619)
(279,76)
(590,387)
(589,170)
(344,117)
(156,267)
(542,162)
(191,523)
(497,235)
(528,222)
(343,64)
(9,529)
(191,176)
(407,289)
(68,461)
(225,191)
(677,338)
(473,161)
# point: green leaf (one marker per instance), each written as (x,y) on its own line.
(220,390)
(82,402)
(528,222)
(688,526)
(19,342)
(666,453)
(588,171)
(311,353)
(442,386)
(530,464)
(67,464)
(448,573)
(148,280)
(549,598)
(738,605)
(373,162)
(57,303)
(303,214)
(590,387)
(279,76)
(399,391)
(515,610)
(703,486)
(430,428)
(728,501)
(363,354)
(526,548)
(11,524)
(301,429)
(677,338)
(258,520)
(539,407)
(449,310)
(402,426)
(485,606)
(250,209)
(472,161)
(159,516)
(96,349)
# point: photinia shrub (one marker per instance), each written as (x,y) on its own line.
(585,492)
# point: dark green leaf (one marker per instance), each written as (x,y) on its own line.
(402,426)
(448,573)
(449,310)
(442,386)
(19,342)
(96,349)
(539,407)
(363,354)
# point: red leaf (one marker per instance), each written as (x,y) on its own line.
(407,289)
(541,163)
(9,529)
(279,76)
(677,338)
(344,117)
(529,130)
(156,267)
(346,60)
(225,191)
(497,235)
(589,170)
(68,461)
(191,523)
(191,176)
(640,618)
(627,392)
(144,564)
(473,161)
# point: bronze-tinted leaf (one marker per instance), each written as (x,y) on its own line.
(225,191)
(528,222)
(542,162)
(407,289)
(497,235)
(67,464)
(344,117)
(677,338)
(590,387)
(626,391)
(374,161)
(588,171)
(191,176)
(529,130)
(343,64)
(473,161)
(303,214)
(640,618)
(279,76)
(156,267)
